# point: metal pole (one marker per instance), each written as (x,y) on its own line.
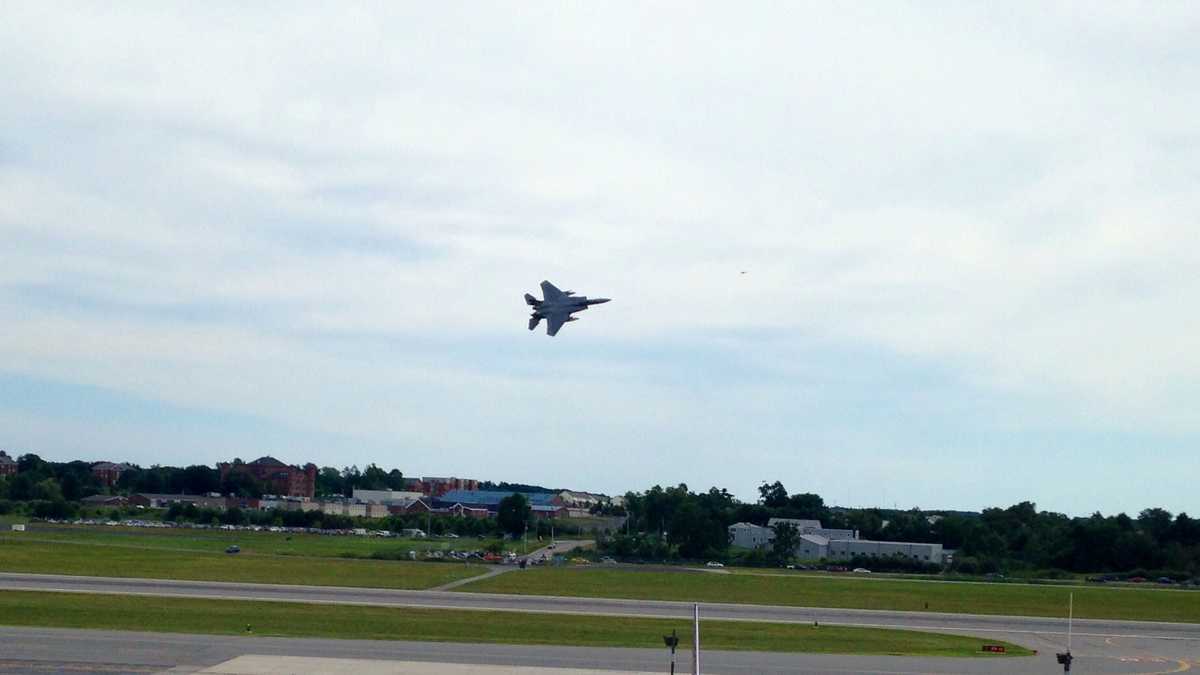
(1070,618)
(674,642)
(696,639)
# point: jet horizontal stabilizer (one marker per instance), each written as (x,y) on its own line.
(556,307)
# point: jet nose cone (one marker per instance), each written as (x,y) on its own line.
(598,301)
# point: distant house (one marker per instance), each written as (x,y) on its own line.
(8,465)
(464,511)
(437,486)
(162,501)
(543,511)
(283,503)
(816,542)
(385,496)
(281,479)
(344,508)
(107,473)
(490,499)
(105,500)
(409,506)
(581,500)
(749,535)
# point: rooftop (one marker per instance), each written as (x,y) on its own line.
(267,460)
(800,523)
(493,497)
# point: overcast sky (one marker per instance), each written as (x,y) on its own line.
(970,236)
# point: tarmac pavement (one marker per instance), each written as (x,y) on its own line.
(1099,645)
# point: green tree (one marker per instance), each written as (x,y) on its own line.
(808,505)
(773,496)
(47,490)
(787,538)
(72,487)
(31,463)
(373,478)
(514,513)
(329,482)
(1156,523)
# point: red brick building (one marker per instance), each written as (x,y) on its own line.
(108,473)
(438,486)
(8,465)
(280,479)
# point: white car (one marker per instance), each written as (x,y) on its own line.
(861,570)
(713,563)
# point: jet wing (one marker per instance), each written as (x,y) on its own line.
(554,322)
(550,292)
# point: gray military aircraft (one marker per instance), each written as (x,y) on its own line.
(556,307)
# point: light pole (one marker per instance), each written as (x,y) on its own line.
(696,639)
(672,641)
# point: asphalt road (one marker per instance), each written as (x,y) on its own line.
(24,650)
(1129,646)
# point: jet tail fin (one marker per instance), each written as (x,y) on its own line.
(531,301)
(534,321)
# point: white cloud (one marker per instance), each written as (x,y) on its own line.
(1006,192)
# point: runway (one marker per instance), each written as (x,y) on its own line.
(1099,645)
(27,650)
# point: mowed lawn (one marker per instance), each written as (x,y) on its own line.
(17,555)
(228,617)
(851,593)
(272,543)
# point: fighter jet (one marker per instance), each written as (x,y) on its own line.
(556,307)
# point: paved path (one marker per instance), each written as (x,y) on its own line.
(543,553)
(24,650)
(494,572)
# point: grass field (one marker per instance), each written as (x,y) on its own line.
(17,555)
(227,617)
(848,592)
(272,543)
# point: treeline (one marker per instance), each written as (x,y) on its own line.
(40,480)
(439,525)
(676,523)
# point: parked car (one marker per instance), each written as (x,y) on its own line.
(606,560)
(713,563)
(861,570)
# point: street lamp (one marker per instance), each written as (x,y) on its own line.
(672,642)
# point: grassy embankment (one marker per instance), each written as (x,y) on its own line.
(226,617)
(271,543)
(93,559)
(851,593)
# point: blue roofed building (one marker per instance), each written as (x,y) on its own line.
(545,504)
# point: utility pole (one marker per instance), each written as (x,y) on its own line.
(696,639)
(1065,658)
(1070,618)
